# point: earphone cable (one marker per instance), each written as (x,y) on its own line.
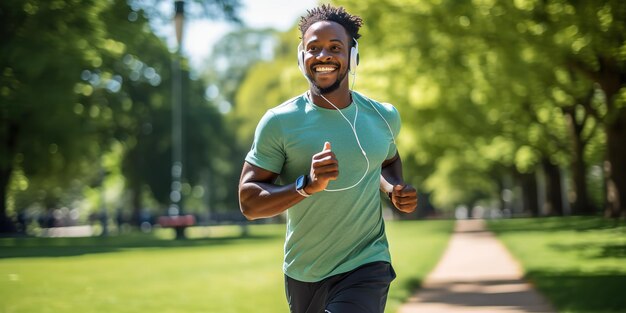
(356,136)
(393,137)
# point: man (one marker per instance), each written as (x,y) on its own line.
(323,156)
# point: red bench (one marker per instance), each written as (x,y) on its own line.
(177,221)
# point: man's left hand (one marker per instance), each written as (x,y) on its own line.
(404,198)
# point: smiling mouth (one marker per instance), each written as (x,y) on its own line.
(324,68)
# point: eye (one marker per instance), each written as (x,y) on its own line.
(335,48)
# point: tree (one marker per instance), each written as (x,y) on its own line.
(142,113)
(100,83)
(259,92)
(503,63)
(45,46)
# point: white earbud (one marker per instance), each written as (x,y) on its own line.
(354,57)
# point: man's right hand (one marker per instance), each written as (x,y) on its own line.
(324,168)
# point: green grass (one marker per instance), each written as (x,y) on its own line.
(216,270)
(578,263)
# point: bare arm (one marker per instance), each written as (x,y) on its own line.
(403,196)
(260,197)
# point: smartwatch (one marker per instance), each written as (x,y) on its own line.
(301,182)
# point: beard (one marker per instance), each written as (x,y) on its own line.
(325,90)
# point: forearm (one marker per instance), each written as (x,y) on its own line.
(391,174)
(262,200)
(403,196)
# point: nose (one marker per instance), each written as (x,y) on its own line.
(324,55)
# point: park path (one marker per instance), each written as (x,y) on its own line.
(476,274)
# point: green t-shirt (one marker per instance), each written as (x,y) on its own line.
(330,232)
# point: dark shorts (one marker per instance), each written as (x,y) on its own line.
(362,290)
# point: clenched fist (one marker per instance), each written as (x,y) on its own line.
(324,168)
(404,198)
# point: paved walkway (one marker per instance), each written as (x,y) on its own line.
(476,274)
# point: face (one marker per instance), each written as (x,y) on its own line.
(326,56)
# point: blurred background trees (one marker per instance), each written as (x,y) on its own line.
(506,97)
(45,46)
(87,82)
(515,107)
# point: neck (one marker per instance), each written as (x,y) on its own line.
(341,98)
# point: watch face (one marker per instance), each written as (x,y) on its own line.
(300,182)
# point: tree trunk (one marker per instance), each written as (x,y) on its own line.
(554,200)
(6,223)
(136,203)
(580,204)
(616,166)
(501,187)
(612,79)
(8,144)
(528,182)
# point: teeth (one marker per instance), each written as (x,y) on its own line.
(324,69)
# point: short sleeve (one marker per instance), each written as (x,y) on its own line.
(392,116)
(267,150)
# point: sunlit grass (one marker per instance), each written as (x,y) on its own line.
(216,270)
(139,273)
(579,263)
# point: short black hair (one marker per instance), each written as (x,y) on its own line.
(326,12)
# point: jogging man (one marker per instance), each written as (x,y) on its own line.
(324,156)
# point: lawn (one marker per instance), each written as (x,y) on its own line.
(215,270)
(579,263)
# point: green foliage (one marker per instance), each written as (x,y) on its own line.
(45,46)
(194,9)
(577,263)
(231,59)
(484,75)
(230,62)
(80,78)
(134,86)
(143,120)
(259,91)
(486,90)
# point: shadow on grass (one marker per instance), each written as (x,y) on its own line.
(577,291)
(63,247)
(613,251)
(405,288)
(598,250)
(412,284)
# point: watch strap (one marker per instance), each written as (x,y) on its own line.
(303,193)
